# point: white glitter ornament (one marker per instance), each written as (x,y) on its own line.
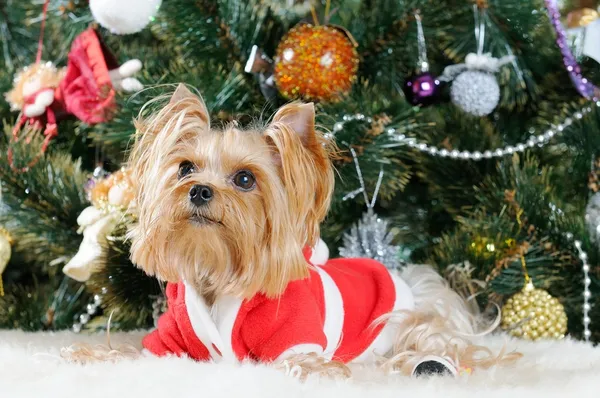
(474,86)
(475,92)
(124,17)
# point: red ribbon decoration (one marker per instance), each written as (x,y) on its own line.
(38,58)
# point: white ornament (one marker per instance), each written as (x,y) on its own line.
(116,195)
(476,92)
(592,217)
(124,16)
(95,226)
(584,40)
(474,86)
(122,77)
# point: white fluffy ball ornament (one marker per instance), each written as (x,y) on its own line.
(476,92)
(474,85)
(124,17)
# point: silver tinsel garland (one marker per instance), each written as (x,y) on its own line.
(370,238)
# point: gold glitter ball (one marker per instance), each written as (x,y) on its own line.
(534,314)
(315,63)
(115,190)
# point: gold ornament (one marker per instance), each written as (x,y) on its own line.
(114,191)
(483,247)
(581,18)
(5,253)
(534,314)
(316,63)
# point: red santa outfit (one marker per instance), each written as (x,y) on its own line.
(332,313)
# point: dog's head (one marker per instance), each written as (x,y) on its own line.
(228,210)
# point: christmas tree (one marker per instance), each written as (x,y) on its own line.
(481,117)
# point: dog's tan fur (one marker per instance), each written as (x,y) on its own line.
(252,242)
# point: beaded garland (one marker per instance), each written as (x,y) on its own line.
(539,140)
(315,63)
(587,294)
(91,310)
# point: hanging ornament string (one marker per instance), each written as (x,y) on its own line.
(351,195)
(477,61)
(475,88)
(38,58)
(479,28)
(423,61)
(370,237)
(583,85)
(421,88)
(539,140)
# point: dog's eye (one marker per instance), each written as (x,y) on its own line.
(185,168)
(244,180)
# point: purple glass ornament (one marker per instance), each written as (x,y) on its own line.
(583,85)
(422,89)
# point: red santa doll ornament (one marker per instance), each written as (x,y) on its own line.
(85,88)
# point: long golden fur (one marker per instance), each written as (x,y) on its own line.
(251,240)
(254,241)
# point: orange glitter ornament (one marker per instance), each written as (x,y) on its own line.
(315,63)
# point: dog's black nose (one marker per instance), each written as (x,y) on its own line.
(201,195)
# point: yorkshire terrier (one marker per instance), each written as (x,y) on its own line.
(230,219)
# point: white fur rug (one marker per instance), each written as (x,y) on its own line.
(30,366)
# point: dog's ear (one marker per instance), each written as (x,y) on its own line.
(300,118)
(184,100)
(182,93)
(160,135)
(183,110)
(305,166)
(181,118)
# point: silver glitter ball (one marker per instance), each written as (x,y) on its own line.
(371,238)
(91,309)
(476,92)
(592,217)
(77,327)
